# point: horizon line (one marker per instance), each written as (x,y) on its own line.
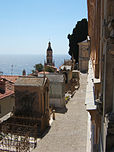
(34,54)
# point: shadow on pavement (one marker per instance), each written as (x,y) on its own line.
(61,110)
(46,132)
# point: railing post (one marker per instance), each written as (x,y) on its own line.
(53,114)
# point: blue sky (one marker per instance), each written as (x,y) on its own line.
(26,26)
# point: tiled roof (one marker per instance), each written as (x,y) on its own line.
(6,94)
(8,91)
(42,72)
(10,78)
(30,81)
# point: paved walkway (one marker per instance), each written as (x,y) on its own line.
(68,132)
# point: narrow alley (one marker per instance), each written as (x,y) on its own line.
(68,132)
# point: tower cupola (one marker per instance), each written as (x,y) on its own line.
(49,47)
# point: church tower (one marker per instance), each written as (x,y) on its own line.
(49,57)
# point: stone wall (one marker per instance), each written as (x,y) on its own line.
(31,101)
(57,94)
(6,105)
(83,56)
(101,32)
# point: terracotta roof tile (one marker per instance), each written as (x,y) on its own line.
(10,78)
(6,94)
(42,72)
(8,91)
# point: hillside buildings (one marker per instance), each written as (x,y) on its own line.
(100,88)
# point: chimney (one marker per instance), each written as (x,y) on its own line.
(2,85)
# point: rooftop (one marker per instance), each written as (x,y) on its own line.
(55,77)
(6,94)
(30,81)
(66,67)
(11,78)
(9,89)
(43,72)
(85,42)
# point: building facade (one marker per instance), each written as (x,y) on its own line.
(100,87)
(83,55)
(32,99)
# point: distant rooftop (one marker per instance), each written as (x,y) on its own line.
(65,67)
(43,72)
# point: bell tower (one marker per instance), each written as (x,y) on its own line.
(49,57)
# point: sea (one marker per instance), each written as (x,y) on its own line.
(15,64)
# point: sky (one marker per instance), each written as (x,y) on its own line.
(26,26)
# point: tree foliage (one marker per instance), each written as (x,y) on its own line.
(79,34)
(24,72)
(49,69)
(38,67)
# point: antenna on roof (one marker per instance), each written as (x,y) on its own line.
(44,70)
(12,69)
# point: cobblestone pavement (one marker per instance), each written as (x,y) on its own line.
(68,132)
